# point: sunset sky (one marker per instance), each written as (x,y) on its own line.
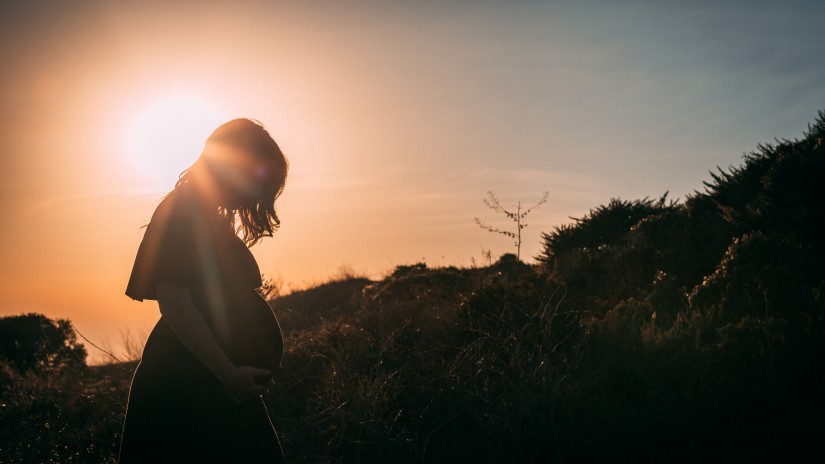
(397,117)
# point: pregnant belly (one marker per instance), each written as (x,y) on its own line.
(248,332)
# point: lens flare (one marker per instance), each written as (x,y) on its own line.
(166,136)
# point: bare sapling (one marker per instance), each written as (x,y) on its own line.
(516,216)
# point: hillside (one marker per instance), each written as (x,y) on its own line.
(650,328)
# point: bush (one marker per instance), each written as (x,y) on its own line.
(35,342)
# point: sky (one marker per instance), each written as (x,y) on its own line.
(397,118)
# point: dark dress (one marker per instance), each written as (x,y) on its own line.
(178,411)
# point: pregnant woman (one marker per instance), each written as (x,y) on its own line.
(196,395)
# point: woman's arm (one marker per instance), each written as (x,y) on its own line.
(188,324)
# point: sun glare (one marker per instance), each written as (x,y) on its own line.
(167,134)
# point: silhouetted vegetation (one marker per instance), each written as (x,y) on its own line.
(516,216)
(53,407)
(308,309)
(650,330)
(35,342)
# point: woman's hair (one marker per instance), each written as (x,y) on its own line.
(257,218)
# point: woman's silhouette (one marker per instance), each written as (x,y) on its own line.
(196,395)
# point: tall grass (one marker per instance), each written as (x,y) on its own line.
(491,364)
(62,415)
(488,365)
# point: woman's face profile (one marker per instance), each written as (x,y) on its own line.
(239,176)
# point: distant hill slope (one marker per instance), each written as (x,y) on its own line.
(305,309)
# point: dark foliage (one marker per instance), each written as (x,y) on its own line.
(35,342)
(597,256)
(307,309)
(54,408)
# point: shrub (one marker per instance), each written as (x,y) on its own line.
(35,342)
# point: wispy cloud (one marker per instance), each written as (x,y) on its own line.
(40,205)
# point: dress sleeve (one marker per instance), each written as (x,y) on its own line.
(166,255)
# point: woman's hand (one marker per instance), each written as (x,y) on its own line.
(188,324)
(240,384)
